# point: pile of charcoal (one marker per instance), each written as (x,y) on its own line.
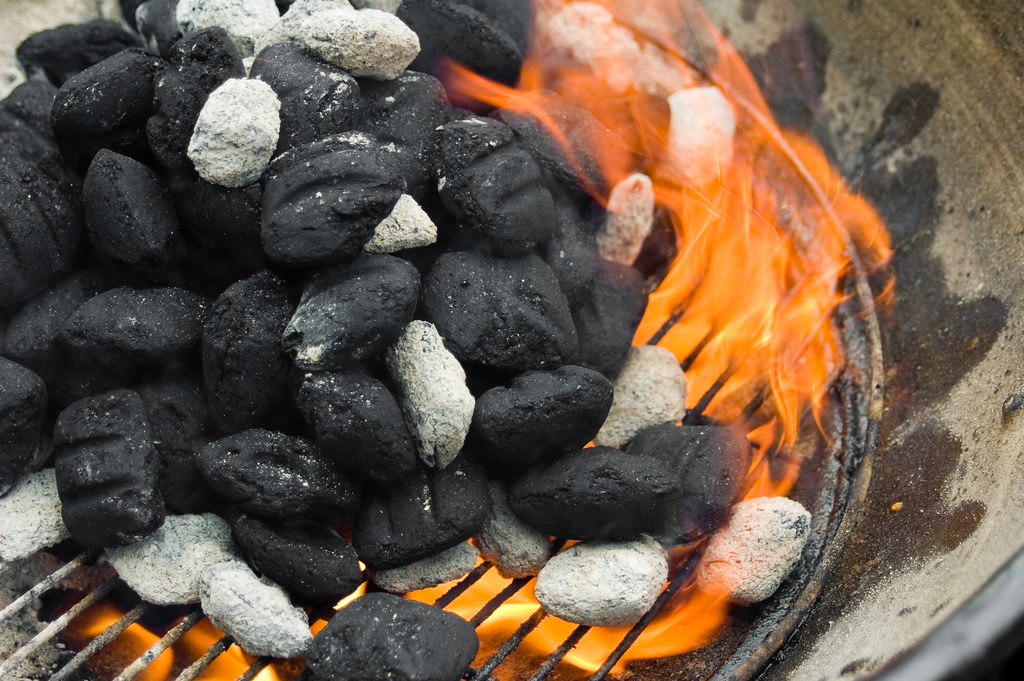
(270,306)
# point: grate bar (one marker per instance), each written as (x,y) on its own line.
(701,344)
(559,653)
(169,639)
(19,604)
(693,415)
(22,653)
(681,577)
(496,602)
(255,668)
(508,645)
(105,637)
(211,654)
(463,584)
(677,313)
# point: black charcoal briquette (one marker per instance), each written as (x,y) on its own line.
(608,317)
(22,407)
(58,53)
(107,470)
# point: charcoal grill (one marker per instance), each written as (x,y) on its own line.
(905,587)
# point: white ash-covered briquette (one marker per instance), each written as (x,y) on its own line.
(587,33)
(244,20)
(367,43)
(434,395)
(287,27)
(166,567)
(629,220)
(650,389)
(701,128)
(515,548)
(255,612)
(30,518)
(383,5)
(408,226)
(236,133)
(603,584)
(427,572)
(749,558)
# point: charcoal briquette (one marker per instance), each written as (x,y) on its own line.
(492,186)
(33,332)
(40,228)
(22,407)
(368,43)
(608,317)
(156,22)
(129,215)
(58,53)
(107,470)
(199,64)
(503,313)
(25,119)
(540,414)
(358,424)
(244,368)
(244,20)
(382,637)
(128,10)
(598,492)
(317,98)
(448,28)
(322,201)
(404,112)
(274,475)
(351,312)
(428,572)
(128,329)
(571,250)
(709,464)
(430,511)
(179,421)
(311,561)
(106,107)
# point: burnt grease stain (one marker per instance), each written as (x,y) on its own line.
(791,75)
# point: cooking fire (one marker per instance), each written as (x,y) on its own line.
(525,314)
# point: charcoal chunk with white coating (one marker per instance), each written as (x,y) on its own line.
(432,386)
(255,612)
(508,314)
(236,132)
(608,316)
(429,512)
(515,548)
(461,32)
(403,113)
(274,475)
(428,572)
(749,558)
(244,369)
(107,470)
(323,200)
(129,215)
(127,329)
(629,220)
(358,424)
(351,312)
(23,398)
(408,226)
(156,22)
(650,390)
(58,53)
(199,64)
(382,637)
(311,561)
(317,98)
(492,186)
(22,408)
(30,518)
(603,584)
(106,107)
(710,463)
(598,492)
(179,420)
(540,414)
(40,226)
(167,567)
(367,43)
